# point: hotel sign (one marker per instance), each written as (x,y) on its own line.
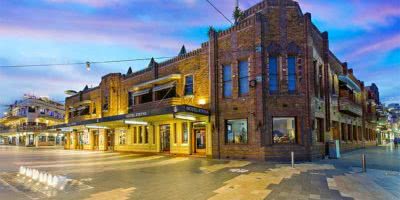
(196,110)
(137,114)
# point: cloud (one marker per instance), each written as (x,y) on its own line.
(376,47)
(93,3)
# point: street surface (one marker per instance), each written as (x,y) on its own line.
(111,175)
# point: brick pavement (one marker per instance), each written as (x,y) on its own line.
(136,176)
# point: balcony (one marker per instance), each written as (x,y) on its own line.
(31,127)
(348,106)
(156,104)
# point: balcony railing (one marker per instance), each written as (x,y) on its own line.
(156,104)
(348,106)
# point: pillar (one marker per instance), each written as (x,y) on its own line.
(67,140)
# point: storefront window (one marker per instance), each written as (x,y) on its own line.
(185,132)
(85,137)
(122,137)
(236,131)
(284,130)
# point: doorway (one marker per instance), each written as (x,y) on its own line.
(110,140)
(165,139)
(199,135)
(95,140)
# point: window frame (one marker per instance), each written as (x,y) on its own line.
(296,138)
(183,132)
(243,77)
(226,133)
(276,74)
(224,82)
(121,133)
(292,73)
(185,84)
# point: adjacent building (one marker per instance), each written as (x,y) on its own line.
(264,87)
(26,122)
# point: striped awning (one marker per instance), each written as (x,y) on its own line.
(164,86)
(140,92)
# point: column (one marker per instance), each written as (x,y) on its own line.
(102,140)
(91,140)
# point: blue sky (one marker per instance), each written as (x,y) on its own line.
(365,33)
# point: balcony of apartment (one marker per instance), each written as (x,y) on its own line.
(159,93)
(31,127)
(80,112)
(4,130)
(349,92)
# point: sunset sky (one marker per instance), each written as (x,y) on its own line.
(365,33)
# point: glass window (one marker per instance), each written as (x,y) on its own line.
(122,137)
(292,74)
(284,130)
(140,135)
(236,131)
(227,82)
(164,94)
(273,74)
(189,85)
(146,134)
(185,132)
(243,77)
(130,99)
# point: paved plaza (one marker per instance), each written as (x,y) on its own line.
(112,175)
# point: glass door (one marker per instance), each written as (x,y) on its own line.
(165,133)
(200,139)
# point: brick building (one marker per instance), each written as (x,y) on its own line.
(265,87)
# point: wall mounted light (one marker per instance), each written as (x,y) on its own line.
(96,127)
(202,101)
(186,117)
(134,122)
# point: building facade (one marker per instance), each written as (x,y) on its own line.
(26,122)
(264,87)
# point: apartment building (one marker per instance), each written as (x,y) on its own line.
(27,120)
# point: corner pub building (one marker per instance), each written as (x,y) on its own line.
(264,87)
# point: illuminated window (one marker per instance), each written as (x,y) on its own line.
(236,131)
(185,132)
(284,130)
(122,137)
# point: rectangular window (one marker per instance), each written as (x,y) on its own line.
(189,85)
(320,129)
(185,132)
(146,134)
(236,131)
(134,135)
(243,77)
(140,134)
(284,130)
(130,99)
(321,81)
(291,74)
(273,74)
(227,82)
(122,137)
(175,137)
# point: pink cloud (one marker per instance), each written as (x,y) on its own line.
(378,46)
(93,3)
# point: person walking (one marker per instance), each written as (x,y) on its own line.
(396,143)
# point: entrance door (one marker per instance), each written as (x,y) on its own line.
(200,140)
(165,132)
(110,140)
(96,140)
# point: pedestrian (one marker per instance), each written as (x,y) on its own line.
(396,143)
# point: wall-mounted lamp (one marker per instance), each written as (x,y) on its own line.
(186,117)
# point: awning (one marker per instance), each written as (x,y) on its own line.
(165,86)
(161,80)
(141,92)
(350,83)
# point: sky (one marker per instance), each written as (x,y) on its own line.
(365,33)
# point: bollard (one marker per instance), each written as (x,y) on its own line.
(292,156)
(363,163)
